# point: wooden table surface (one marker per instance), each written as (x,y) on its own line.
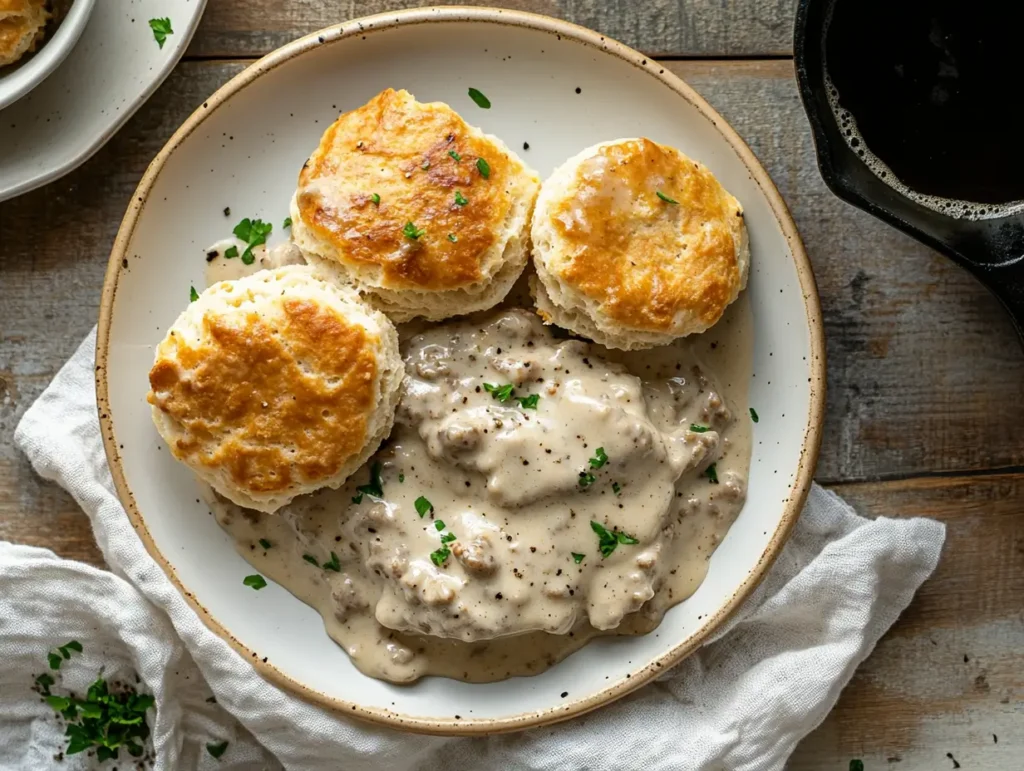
(925,388)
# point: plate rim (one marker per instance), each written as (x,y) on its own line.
(52,174)
(813,429)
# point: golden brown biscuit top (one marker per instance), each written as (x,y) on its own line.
(648,261)
(20,7)
(21,21)
(421,160)
(272,400)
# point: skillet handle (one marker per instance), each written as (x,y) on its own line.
(994,251)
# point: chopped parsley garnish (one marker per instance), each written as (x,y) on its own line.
(216,750)
(856,765)
(104,720)
(452,237)
(607,539)
(64,654)
(665,198)
(311,559)
(401,477)
(460,199)
(697,428)
(481,100)
(599,459)
(333,563)
(265,543)
(411,231)
(484,168)
(586,479)
(439,556)
(254,233)
(753,415)
(528,402)
(256,581)
(712,473)
(577,558)
(161,29)
(231,252)
(501,393)
(426,165)
(193,295)
(375,199)
(455,155)
(423,506)
(287,223)
(616,488)
(374,488)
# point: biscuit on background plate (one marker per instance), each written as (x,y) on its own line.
(425,215)
(635,245)
(276,385)
(22,26)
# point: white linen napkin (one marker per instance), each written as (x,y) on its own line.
(741,702)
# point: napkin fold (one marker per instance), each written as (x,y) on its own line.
(741,702)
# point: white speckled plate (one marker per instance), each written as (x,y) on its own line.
(560,88)
(112,70)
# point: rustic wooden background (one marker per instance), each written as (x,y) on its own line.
(926,378)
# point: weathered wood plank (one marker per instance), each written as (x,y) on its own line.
(924,369)
(950,673)
(705,28)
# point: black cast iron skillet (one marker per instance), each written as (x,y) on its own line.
(991,249)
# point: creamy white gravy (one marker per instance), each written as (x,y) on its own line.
(503,574)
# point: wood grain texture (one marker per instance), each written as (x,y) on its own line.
(924,376)
(657,27)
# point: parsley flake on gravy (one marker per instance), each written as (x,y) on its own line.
(375,199)
(697,428)
(481,101)
(577,557)
(401,477)
(460,199)
(216,750)
(452,237)
(455,155)
(231,252)
(374,488)
(311,559)
(256,581)
(501,393)
(753,415)
(411,231)
(484,168)
(599,459)
(193,295)
(616,488)
(712,473)
(586,479)
(161,29)
(608,540)
(665,198)
(265,543)
(528,402)
(333,564)
(423,506)
(254,233)
(438,556)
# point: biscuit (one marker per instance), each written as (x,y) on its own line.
(276,385)
(635,245)
(425,215)
(22,27)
